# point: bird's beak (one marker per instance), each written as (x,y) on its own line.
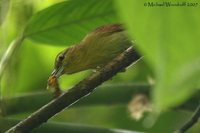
(57,72)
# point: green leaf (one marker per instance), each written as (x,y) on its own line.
(169,39)
(68,22)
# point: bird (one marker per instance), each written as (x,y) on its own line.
(95,50)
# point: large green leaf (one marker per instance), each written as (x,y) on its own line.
(169,39)
(68,22)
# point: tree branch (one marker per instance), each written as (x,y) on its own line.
(80,90)
(191,122)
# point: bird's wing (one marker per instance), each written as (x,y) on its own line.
(109,28)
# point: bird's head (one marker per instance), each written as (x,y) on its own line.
(60,64)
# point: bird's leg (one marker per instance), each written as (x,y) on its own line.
(123,70)
(57,91)
(98,68)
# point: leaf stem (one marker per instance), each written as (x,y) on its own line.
(12,48)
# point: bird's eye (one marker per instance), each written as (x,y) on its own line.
(61,57)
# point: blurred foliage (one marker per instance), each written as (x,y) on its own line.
(169,39)
(103,96)
(62,128)
(4,7)
(166,36)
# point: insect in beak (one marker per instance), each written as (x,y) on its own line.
(57,72)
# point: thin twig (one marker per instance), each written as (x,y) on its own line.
(191,122)
(80,90)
